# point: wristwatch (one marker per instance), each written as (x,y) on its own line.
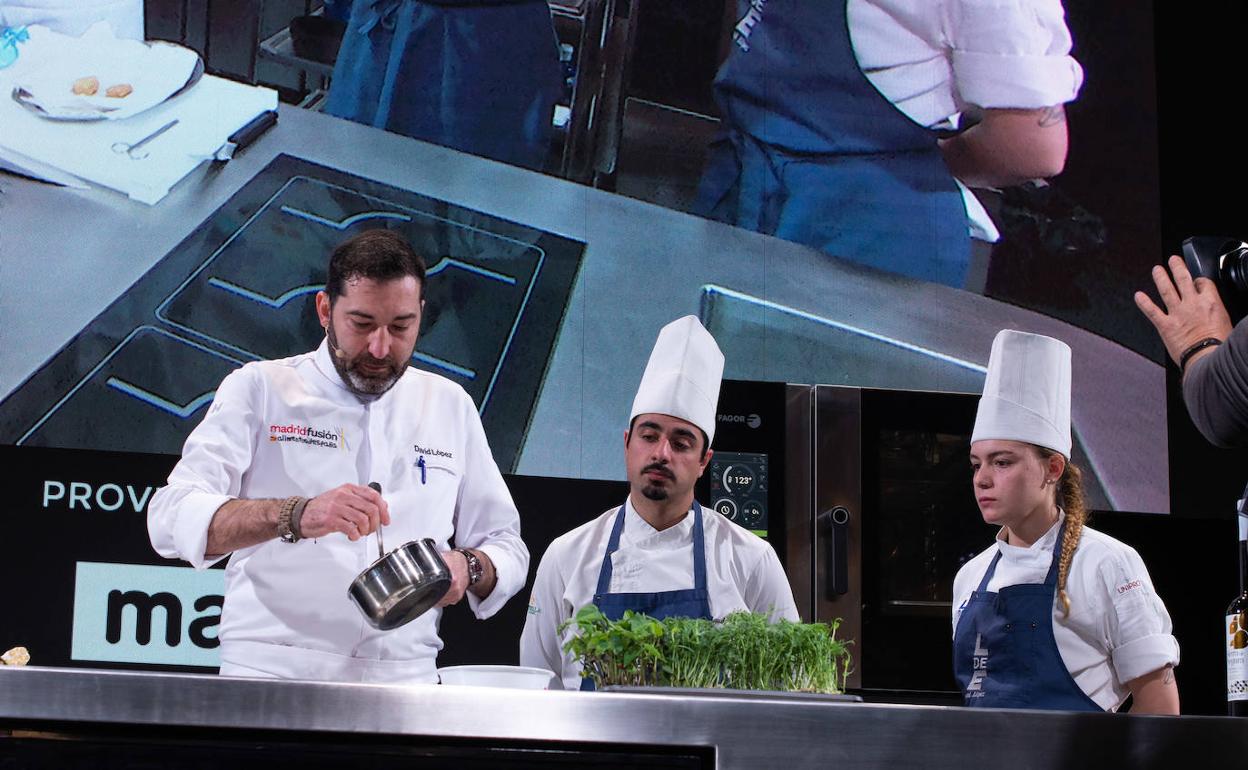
(475,568)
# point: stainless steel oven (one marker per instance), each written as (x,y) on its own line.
(866,496)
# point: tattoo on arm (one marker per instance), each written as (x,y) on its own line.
(1052,116)
(1168,677)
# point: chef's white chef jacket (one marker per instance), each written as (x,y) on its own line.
(291,427)
(742,573)
(933,58)
(1118,627)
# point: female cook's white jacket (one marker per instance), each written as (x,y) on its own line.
(291,427)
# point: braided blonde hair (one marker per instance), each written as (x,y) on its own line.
(1070,498)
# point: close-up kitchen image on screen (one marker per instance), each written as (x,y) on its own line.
(911,183)
(712,383)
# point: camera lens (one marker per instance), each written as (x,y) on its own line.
(1233,268)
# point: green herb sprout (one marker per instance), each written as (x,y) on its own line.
(743,652)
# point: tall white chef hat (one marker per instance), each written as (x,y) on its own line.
(682,376)
(1027,392)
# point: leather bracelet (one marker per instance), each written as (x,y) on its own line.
(1207,342)
(296,519)
(284,529)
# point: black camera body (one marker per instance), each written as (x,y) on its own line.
(1224,261)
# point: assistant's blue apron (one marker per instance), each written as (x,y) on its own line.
(687,603)
(1004,652)
(812,152)
(480,76)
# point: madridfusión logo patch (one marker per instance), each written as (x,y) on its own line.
(329,438)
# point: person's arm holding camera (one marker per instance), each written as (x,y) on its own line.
(1212,357)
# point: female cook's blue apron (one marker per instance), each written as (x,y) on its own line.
(812,152)
(480,76)
(1004,651)
(688,603)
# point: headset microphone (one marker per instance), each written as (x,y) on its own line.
(333,344)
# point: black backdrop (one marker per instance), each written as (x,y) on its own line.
(1203,133)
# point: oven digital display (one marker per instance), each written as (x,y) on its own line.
(739,485)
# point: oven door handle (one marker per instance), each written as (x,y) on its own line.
(835,526)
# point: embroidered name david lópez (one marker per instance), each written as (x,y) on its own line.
(420,450)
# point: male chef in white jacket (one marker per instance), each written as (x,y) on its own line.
(660,552)
(275,477)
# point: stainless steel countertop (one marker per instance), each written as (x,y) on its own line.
(779,732)
(66,254)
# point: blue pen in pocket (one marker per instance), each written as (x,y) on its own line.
(420,463)
(9,38)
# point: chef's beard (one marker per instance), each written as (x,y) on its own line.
(356,381)
(653,491)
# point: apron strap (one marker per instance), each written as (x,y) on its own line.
(699,549)
(613,545)
(1051,578)
(378,12)
(992,570)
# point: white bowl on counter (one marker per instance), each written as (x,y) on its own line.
(517,677)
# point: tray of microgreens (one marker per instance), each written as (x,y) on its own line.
(744,651)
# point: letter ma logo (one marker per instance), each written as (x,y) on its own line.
(130,613)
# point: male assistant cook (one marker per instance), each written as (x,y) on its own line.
(275,476)
(659,553)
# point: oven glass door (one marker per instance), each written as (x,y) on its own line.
(920,524)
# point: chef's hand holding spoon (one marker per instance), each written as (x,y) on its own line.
(354,510)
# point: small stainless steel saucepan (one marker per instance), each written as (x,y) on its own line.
(401,585)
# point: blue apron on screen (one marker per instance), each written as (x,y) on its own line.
(1004,651)
(481,77)
(687,603)
(812,152)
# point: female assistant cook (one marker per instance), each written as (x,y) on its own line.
(1054,615)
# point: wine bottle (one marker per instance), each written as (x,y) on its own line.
(1236,628)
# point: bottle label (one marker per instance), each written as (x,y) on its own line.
(1237,657)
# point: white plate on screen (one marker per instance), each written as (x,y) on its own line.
(150,73)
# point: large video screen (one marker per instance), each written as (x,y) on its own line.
(545,301)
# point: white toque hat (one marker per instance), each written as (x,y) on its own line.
(1027,392)
(682,376)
